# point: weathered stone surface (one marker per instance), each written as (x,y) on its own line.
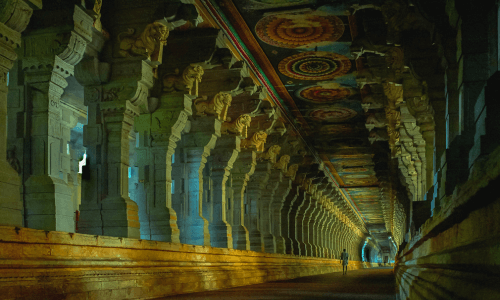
(87,266)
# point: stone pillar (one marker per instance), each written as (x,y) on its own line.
(266,199)
(223,157)
(320,238)
(163,129)
(287,224)
(197,147)
(15,16)
(301,233)
(278,207)
(243,169)
(47,195)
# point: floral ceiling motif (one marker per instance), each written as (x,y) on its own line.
(315,66)
(299,30)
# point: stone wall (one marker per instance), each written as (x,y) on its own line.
(56,265)
(455,255)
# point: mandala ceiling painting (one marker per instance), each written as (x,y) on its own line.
(315,65)
(299,30)
(321,95)
(303,47)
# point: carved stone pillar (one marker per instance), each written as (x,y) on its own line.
(15,17)
(163,129)
(268,191)
(277,207)
(254,193)
(197,146)
(243,169)
(302,233)
(223,157)
(47,195)
(287,224)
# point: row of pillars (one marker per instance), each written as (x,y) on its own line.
(202,180)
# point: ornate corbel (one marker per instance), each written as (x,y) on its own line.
(282,164)
(149,43)
(292,171)
(238,126)
(190,78)
(271,154)
(257,141)
(218,106)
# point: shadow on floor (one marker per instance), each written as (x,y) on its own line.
(369,284)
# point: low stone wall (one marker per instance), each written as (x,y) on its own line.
(457,252)
(58,265)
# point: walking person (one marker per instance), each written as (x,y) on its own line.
(344,260)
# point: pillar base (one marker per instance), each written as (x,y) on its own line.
(269,243)
(241,239)
(48,204)
(11,206)
(163,225)
(196,232)
(255,238)
(221,235)
(120,218)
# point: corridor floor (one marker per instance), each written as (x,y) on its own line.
(369,284)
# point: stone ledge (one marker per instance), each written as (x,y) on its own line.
(58,264)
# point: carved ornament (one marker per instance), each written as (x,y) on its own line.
(282,164)
(218,106)
(257,141)
(190,78)
(292,171)
(149,43)
(238,126)
(271,154)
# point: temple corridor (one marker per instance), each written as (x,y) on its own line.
(369,284)
(248,149)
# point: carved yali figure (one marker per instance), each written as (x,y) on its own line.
(238,126)
(292,171)
(271,154)
(192,75)
(148,43)
(218,106)
(282,164)
(258,140)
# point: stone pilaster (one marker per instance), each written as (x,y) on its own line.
(254,193)
(268,191)
(47,195)
(14,21)
(287,224)
(277,207)
(163,129)
(243,169)
(197,147)
(224,155)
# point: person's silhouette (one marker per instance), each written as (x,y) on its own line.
(344,260)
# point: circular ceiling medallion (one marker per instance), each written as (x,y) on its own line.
(333,114)
(318,94)
(299,30)
(315,65)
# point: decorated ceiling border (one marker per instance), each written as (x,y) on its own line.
(234,36)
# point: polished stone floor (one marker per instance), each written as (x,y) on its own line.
(369,284)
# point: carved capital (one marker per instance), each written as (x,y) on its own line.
(218,106)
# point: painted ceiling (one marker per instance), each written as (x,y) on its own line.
(303,47)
